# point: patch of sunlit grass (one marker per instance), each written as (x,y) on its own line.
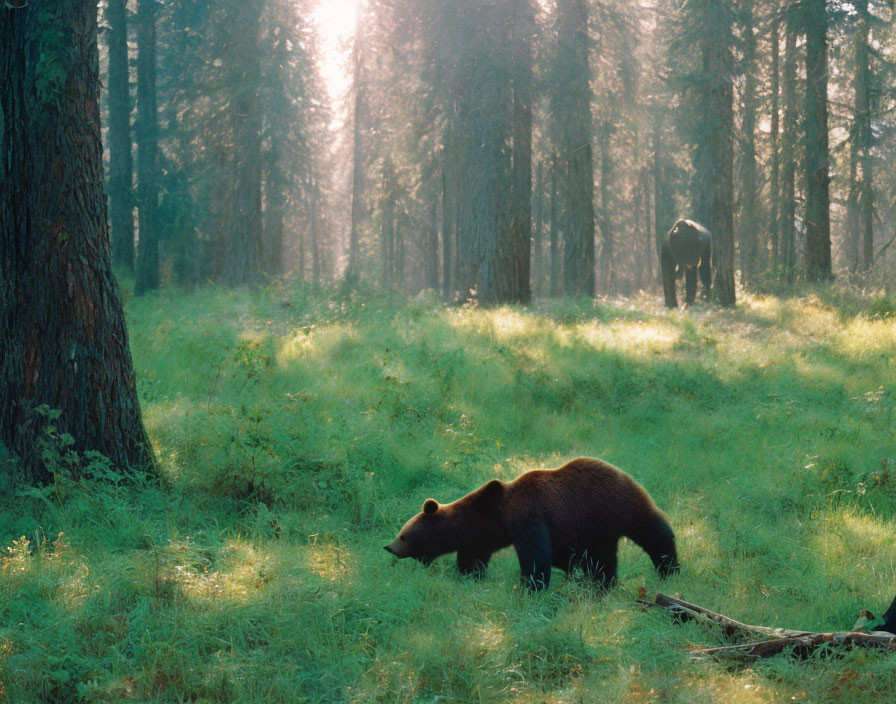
(295,440)
(642,337)
(315,342)
(862,338)
(331,563)
(844,535)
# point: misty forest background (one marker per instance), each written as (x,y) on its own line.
(262,299)
(513,149)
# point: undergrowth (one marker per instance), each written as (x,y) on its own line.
(296,431)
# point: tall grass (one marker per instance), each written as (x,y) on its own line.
(297,431)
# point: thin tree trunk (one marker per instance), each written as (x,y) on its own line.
(387,231)
(448,226)
(147,145)
(649,241)
(274,213)
(662,211)
(63,341)
(775,186)
(538,288)
(863,135)
(555,287)
(359,116)
(606,263)
(121,183)
(316,259)
(398,258)
(788,150)
(851,245)
(431,255)
(818,216)
(749,232)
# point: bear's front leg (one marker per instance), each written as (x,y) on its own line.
(471,564)
(533,548)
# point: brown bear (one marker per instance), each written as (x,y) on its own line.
(568,517)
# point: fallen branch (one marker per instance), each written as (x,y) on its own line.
(802,646)
(800,643)
(686,611)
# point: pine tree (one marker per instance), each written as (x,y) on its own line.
(63,341)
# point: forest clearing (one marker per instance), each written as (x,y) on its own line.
(296,431)
(292,290)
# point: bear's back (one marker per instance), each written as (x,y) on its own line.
(576,497)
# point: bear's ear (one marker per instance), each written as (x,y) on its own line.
(488,496)
(430,506)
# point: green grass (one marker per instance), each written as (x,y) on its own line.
(296,432)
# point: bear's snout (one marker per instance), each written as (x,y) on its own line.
(388,548)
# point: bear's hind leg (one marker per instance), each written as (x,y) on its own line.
(690,285)
(533,548)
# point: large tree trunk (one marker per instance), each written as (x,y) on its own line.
(482,115)
(147,144)
(63,342)
(715,157)
(516,262)
(572,108)
(818,216)
(121,183)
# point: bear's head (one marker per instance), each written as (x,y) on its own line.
(424,537)
(442,528)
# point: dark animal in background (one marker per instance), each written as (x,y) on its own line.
(686,249)
(569,517)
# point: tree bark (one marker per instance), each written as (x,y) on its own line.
(572,108)
(715,158)
(147,145)
(863,138)
(818,216)
(775,185)
(606,263)
(538,288)
(63,341)
(359,116)
(516,262)
(242,249)
(788,148)
(121,176)
(431,247)
(555,283)
(751,245)
(448,223)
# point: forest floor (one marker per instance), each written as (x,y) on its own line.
(296,432)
